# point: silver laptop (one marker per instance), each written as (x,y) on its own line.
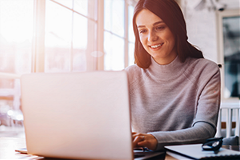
(78,115)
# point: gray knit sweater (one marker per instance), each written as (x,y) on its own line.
(177,103)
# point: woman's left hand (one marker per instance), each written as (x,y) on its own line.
(144,140)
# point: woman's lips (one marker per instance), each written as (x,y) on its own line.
(157,46)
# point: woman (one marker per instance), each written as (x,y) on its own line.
(174,91)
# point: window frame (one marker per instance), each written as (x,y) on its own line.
(38,53)
(220,48)
(127,3)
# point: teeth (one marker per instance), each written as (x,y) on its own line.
(156,46)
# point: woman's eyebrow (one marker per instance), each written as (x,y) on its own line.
(156,23)
(140,26)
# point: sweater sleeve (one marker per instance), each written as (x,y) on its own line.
(205,121)
(209,97)
(196,134)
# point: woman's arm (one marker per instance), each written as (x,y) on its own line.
(196,134)
(157,140)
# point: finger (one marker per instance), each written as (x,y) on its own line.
(136,134)
(135,143)
(137,139)
(143,143)
(150,142)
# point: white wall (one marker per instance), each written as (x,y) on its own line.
(202,25)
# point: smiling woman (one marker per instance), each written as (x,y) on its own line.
(156,38)
(174,91)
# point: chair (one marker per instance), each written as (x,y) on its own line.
(229,122)
(12,115)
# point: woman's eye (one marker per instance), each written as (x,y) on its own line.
(142,31)
(160,28)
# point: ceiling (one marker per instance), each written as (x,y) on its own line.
(230,4)
(200,4)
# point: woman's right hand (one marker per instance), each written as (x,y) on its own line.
(144,140)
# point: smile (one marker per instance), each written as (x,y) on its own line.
(156,46)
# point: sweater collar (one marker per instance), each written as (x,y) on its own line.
(168,71)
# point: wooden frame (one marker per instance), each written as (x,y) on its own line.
(220,16)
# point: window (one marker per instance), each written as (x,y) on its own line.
(70,35)
(85,35)
(118,34)
(229,40)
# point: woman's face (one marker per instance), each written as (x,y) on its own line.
(156,37)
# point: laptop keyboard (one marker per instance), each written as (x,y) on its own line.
(138,156)
(140,153)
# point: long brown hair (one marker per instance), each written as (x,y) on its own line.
(171,14)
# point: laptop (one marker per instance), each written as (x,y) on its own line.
(78,115)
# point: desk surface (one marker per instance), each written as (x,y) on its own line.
(9,144)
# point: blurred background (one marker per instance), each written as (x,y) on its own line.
(88,35)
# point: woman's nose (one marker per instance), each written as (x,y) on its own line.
(152,36)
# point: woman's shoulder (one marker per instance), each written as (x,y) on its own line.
(203,64)
(134,72)
(201,69)
(133,69)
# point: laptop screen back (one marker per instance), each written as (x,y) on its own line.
(77,115)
